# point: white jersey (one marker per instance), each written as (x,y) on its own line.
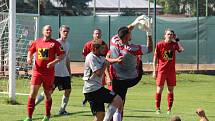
(61,68)
(92,82)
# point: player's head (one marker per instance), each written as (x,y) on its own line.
(175,118)
(47,31)
(64,31)
(96,48)
(124,34)
(168,34)
(97,34)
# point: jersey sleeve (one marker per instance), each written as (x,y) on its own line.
(59,49)
(138,49)
(86,49)
(32,47)
(95,64)
(156,54)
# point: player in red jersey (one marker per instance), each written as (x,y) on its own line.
(47,53)
(164,67)
(97,34)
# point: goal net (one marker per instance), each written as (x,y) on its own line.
(25,32)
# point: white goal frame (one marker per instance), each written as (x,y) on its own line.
(12,46)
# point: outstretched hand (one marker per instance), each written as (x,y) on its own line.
(146,25)
(138,20)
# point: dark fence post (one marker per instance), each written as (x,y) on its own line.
(197,44)
(154,23)
(109,29)
(59,22)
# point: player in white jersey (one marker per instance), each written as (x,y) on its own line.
(62,72)
(93,89)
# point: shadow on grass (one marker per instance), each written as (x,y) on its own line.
(72,113)
(56,115)
(11,102)
(139,110)
(146,117)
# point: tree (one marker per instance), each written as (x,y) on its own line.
(187,7)
(66,7)
(54,7)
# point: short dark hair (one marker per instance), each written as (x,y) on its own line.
(123,31)
(97,29)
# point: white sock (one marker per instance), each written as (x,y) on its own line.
(109,113)
(117,116)
(40,98)
(64,103)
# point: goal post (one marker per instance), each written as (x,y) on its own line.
(16,31)
(12,50)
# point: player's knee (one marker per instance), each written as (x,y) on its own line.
(48,94)
(117,102)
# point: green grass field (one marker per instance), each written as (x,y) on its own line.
(192,91)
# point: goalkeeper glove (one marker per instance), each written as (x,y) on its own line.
(138,19)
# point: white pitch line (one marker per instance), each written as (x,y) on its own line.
(16,93)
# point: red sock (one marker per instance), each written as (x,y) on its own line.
(170,98)
(157,100)
(30,106)
(48,105)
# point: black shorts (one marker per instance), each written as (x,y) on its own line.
(62,83)
(98,98)
(120,87)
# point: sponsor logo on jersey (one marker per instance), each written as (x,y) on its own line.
(43,54)
(168,55)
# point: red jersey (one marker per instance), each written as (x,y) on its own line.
(165,53)
(46,52)
(88,47)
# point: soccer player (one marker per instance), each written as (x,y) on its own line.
(126,73)
(164,67)
(62,72)
(94,92)
(97,34)
(48,52)
(97,37)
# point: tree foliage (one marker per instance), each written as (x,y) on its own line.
(188,7)
(79,7)
(54,7)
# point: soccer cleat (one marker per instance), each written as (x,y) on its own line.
(158,111)
(28,119)
(46,118)
(168,112)
(63,113)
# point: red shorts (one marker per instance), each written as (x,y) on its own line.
(46,81)
(169,78)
